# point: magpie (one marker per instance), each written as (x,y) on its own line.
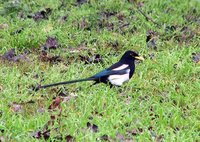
(115,75)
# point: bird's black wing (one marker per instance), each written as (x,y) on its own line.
(109,72)
(114,66)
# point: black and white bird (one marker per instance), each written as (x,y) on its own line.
(115,75)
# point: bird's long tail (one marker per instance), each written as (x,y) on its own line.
(66,82)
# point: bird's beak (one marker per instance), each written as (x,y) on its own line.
(139,58)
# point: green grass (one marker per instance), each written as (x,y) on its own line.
(161,100)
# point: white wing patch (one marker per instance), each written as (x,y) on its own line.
(118,80)
(121,67)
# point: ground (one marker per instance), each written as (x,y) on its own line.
(48,41)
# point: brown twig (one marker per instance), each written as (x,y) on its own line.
(146,17)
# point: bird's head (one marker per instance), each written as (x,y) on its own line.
(131,55)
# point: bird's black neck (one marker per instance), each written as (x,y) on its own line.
(127,61)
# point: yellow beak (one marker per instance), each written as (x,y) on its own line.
(139,58)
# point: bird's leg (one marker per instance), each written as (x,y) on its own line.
(119,90)
(94,84)
(111,86)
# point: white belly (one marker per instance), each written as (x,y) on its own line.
(118,80)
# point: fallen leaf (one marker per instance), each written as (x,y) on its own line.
(43,14)
(51,43)
(36,134)
(49,126)
(55,104)
(21,57)
(196,57)
(120,17)
(104,138)
(39,134)
(11,56)
(185,34)
(92,127)
(46,134)
(45,57)
(69,138)
(15,107)
(192,15)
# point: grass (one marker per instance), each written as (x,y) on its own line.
(160,102)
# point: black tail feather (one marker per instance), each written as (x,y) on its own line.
(67,82)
